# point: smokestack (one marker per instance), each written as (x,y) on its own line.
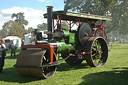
(49,21)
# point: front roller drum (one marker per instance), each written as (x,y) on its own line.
(98,51)
(30,63)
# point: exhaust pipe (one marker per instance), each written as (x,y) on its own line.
(49,21)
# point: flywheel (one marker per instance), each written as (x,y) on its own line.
(84,31)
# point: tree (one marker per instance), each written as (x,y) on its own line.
(2,34)
(123,16)
(13,28)
(100,7)
(42,26)
(29,30)
(20,18)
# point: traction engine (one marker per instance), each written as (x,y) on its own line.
(40,59)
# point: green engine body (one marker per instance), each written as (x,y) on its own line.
(64,41)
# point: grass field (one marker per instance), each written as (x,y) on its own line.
(115,71)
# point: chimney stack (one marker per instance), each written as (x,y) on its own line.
(49,21)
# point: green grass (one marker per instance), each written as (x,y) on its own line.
(115,71)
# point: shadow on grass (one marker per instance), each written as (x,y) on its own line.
(67,67)
(119,76)
(12,75)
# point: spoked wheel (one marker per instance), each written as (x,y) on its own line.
(31,62)
(73,60)
(98,52)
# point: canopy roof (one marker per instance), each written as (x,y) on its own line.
(12,38)
(82,16)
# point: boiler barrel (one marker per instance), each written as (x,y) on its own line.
(63,47)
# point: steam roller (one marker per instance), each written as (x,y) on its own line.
(49,48)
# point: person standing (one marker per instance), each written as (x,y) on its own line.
(13,49)
(17,44)
(22,43)
(2,54)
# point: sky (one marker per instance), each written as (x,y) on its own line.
(33,9)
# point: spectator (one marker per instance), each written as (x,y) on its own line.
(2,54)
(17,44)
(12,49)
(22,43)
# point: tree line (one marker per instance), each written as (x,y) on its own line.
(16,27)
